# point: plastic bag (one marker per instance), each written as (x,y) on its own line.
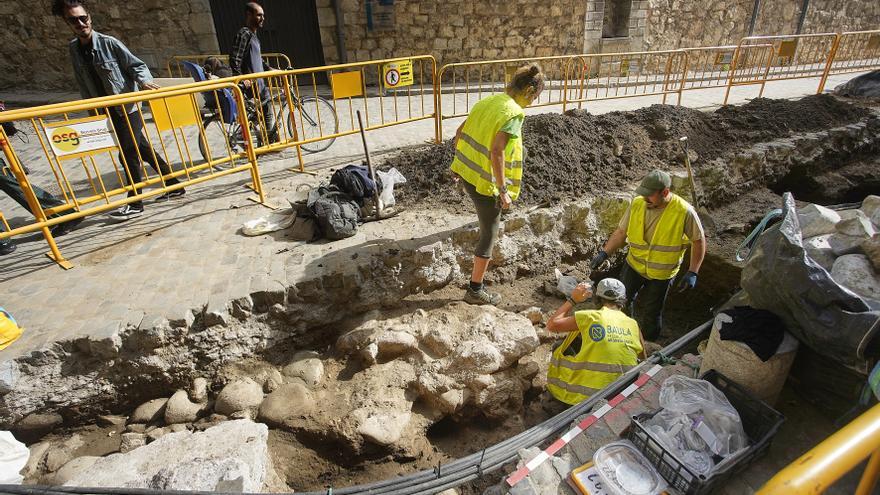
(565,283)
(714,420)
(388,179)
(13,457)
(277,220)
(697,423)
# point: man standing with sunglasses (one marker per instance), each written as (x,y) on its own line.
(247,57)
(104,66)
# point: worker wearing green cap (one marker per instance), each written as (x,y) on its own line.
(659,226)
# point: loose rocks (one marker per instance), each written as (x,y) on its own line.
(306,366)
(232,456)
(238,396)
(149,412)
(854,271)
(288,401)
(179,409)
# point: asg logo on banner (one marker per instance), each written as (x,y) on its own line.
(597,332)
(65,139)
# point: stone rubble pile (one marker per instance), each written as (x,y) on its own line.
(846,244)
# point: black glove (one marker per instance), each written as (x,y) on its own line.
(598,259)
(689,281)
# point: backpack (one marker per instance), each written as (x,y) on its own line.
(335,212)
(355,181)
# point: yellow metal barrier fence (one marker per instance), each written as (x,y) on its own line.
(176,69)
(791,57)
(624,75)
(309,113)
(818,469)
(855,51)
(89,147)
(466,83)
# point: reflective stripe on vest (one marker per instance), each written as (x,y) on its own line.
(472,160)
(610,346)
(660,259)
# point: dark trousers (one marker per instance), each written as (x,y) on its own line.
(131,148)
(268,112)
(10,186)
(489,216)
(651,296)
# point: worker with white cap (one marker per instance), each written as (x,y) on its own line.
(601,344)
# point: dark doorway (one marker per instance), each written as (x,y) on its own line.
(616,18)
(291,28)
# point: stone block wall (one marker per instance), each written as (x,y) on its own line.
(681,23)
(34,54)
(464,30)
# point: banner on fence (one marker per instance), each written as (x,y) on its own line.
(75,138)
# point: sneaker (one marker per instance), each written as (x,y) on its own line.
(482,296)
(63,228)
(170,195)
(6,247)
(127,212)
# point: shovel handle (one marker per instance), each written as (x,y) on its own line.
(369,165)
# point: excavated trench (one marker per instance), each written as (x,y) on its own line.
(371,367)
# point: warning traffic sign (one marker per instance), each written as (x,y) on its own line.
(398,74)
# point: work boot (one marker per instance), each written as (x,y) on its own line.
(481,296)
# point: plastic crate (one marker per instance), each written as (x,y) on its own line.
(760,423)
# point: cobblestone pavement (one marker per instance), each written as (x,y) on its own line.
(184,253)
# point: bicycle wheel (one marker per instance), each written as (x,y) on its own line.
(318,119)
(220,139)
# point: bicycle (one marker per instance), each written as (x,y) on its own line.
(318,119)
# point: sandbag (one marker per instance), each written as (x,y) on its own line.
(829,318)
(335,212)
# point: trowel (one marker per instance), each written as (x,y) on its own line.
(700,206)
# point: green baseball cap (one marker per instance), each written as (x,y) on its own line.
(656,180)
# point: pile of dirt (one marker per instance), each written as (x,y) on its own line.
(575,153)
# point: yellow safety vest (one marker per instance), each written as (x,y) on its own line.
(659,259)
(472,161)
(609,346)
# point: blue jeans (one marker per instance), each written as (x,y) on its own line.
(652,298)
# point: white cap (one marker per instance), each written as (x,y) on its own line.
(611,289)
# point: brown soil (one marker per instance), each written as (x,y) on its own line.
(575,153)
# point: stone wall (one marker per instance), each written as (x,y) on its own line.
(34,54)
(35,57)
(682,23)
(464,30)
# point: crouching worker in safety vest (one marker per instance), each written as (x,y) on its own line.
(489,162)
(601,345)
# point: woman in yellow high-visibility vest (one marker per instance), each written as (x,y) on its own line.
(488,160)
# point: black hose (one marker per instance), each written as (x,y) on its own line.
(428,482)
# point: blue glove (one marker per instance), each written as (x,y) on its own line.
(689,281)
(598,259)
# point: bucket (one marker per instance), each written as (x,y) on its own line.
(763,379)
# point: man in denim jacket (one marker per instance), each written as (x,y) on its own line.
(104,66)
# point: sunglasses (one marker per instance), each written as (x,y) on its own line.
(77,19)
